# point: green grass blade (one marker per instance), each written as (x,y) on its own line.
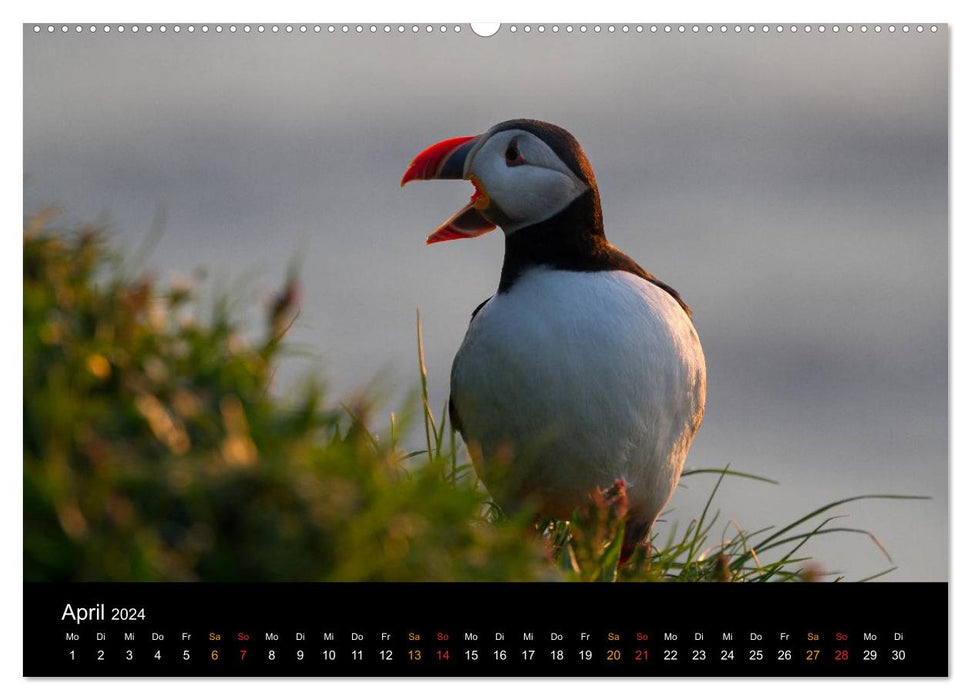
(730,472)
(440,433)
(698,539)
(831,530)
(830,506)
(876,576)
(423,373)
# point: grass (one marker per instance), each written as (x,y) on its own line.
(155,449)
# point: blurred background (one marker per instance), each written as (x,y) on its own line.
(792,187)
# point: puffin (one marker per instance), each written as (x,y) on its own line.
(583,368)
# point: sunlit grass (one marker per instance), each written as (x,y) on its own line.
(154,449)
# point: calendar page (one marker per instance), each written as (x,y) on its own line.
(548,349)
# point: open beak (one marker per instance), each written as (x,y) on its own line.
(448,160)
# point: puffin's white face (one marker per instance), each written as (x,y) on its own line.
(517,173)
(519,180)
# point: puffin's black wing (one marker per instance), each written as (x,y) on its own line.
(453,414)
(670,290)
(619,260)
(478,309)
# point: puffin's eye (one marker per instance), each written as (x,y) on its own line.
(513,156)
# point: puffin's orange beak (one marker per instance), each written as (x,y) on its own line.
(447,160)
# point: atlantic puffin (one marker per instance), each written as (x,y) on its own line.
(582,368)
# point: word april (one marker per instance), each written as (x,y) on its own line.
(79,615)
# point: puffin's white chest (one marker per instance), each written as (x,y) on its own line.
(585,377)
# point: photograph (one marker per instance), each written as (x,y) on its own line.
(420,304)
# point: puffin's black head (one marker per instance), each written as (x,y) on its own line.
(525,172)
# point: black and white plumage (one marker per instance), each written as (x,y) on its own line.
(582,367)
